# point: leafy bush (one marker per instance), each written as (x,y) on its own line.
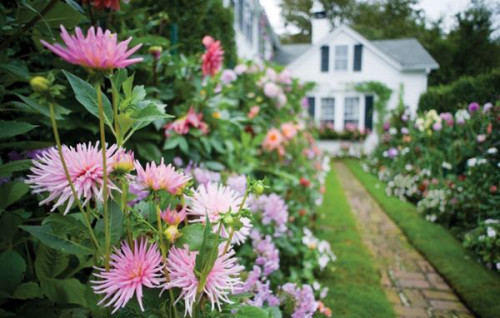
(449,98)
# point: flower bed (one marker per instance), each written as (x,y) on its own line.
(448,165)
(136,213)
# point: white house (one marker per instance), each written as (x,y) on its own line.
(255,38)
(336,60)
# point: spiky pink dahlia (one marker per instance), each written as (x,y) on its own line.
(98,51)
(160,177)
(131,269)
(213,200)
(84,164)
(213,56)
(223,279)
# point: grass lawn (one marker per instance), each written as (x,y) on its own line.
(478,287)
(355,289)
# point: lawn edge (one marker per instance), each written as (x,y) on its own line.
(478,287)
(355,287)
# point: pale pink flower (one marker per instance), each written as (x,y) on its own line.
(228,76)
(273,139)
(85,170)
(123,161)
(222,281)
(254,111)
(98,51)
(213,56)
(281,100)
(131,269)
(213,200)
(182,124)
(271,90)
(173,216)
(289,130)
(161,177)
(240,69)
(285,77)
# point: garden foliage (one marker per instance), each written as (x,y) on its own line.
(147,182)
(449,166)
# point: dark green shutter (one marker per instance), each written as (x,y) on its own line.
(358,57)
(325,58)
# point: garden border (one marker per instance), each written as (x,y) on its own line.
(355,288)
(478,288)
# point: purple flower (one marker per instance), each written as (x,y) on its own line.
(392,152)
(33,154)
(14,156)
(405,117)
(273,209)
(405,131)
(205,176)
(305,304)
(437,126)
(473,107)
(267,254)
(178,162)
(228,76)
(487,107)
(387,125)
(238,183)
(304,103)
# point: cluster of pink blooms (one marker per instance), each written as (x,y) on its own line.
(98,51)
(276,139)
(268,256)
(84,164)
(274,210)
(305,304)
(238,183)
(182,125)
(271,85)
(215,199)
(105,4)
(260,288)
(160,177)
(223,279)
(213,57)
(205,176)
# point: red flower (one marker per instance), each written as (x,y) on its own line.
(493,188)
(105,4)
(213,57)
(462,177)
(304,182)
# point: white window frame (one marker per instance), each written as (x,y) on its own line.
(327,117)
(341,61)
(352,115)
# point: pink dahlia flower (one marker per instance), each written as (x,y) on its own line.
(106,4)
(254,111)
(213,200)
(223,279)
(131,269)
(289,130)
(85,169)
(213,56)
(174,216)
(271,90)
(98,51)
(273,140)
(161,177)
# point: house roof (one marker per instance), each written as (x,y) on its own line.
(287,53)
(408,52)
(403,54)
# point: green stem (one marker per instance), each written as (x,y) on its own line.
(232,228)
(68,177)
(115,98)
(126,213)
(107,234)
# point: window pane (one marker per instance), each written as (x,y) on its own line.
(327,110)
(351,112)
(341,57)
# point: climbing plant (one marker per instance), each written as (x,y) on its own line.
(382,93)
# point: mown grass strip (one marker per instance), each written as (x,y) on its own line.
(355,289)
(478,287)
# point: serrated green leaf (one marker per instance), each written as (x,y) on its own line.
(87,96)
(49,262)
(28,290)
(64,291)
(12,268)
(13,128)
(59,242)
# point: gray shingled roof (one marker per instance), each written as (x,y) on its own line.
(408,52)
(287,53)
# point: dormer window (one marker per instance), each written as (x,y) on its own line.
(341,58)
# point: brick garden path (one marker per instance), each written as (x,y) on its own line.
(411,284)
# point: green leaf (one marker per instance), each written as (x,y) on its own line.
(87,96)
(65,224)
(214,165)
(251,312)
(28,290)
(149,151)
(19,72)
(12,268)
(13,128)
(171,143)
(63,14)
(64,291)
(9,223)
(49,262)
(58,241)
(14,166)
(116,223)
(11,192)
(32,105)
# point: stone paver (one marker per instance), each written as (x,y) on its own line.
(411,284)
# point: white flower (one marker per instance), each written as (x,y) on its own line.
(498,266)
(491,232)
(393,131)
(446,165)
(492,150)
(408,167)
(472,162)
(324,291)
(431,218)
(491,221)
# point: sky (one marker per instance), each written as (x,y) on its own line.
(433,10)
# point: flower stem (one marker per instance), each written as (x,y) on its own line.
(68,177)
(107,234)
(229,239)
(126,213)
(115,96)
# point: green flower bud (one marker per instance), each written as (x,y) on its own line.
(258,188)
(228,219)
(172,233)
(39,84)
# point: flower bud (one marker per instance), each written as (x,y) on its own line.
(258,188)
(123,161)
(156,51)
(39,84)
(228,219)
(172,233)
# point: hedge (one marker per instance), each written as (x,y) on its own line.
(448,98)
